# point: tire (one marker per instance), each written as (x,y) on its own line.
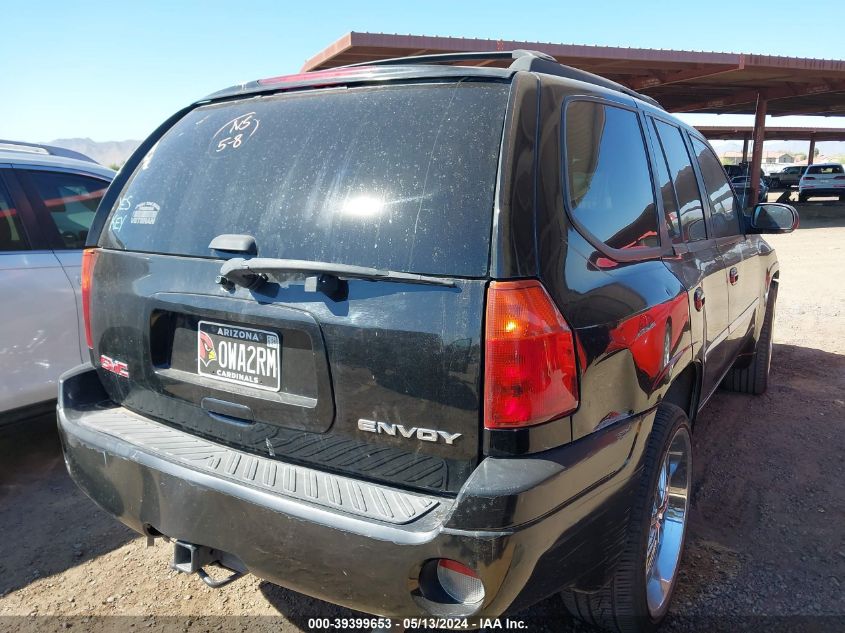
(623,604)
(754,377)
(802,197)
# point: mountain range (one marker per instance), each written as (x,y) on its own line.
(108,153)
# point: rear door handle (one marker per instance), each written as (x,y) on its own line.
(698,299)
(733,275)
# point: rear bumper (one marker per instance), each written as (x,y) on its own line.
(528,525)
(822,191)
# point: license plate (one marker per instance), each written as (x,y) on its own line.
(241,355)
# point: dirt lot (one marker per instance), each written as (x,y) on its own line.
(766,549)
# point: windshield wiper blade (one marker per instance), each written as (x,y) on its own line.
(251,273)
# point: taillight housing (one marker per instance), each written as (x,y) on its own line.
(89,259)
(530,368)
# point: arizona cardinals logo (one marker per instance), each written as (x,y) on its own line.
(206,351)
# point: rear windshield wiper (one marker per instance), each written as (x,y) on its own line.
(322,276)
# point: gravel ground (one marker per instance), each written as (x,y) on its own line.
(767,535)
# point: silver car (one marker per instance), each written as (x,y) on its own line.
(48,198)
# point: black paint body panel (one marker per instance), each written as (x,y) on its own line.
(399,353)
(533,510)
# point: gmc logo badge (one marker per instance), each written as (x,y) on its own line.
(114,366)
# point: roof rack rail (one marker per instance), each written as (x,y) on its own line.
(445,58)
(532,61)
(40,148)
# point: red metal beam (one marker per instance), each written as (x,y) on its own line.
(757,152)
(686,81)
(334,49)
(823,110)
(773,133)
(698,72)
(773,94)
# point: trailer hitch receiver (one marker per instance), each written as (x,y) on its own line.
(191,559)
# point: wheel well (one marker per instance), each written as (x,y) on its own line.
(683,391)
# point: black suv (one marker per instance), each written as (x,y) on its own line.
(419,339)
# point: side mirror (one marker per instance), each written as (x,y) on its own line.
(773,217)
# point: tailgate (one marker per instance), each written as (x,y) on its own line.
(382,381)
(385,386)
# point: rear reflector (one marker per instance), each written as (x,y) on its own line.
(530,372)
(459,581)
(89,258)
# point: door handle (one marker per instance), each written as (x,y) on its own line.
(698,299)
(733,275)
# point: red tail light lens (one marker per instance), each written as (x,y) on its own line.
(809,178)
(89,258)
(530,373)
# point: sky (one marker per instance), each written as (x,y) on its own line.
(116,70)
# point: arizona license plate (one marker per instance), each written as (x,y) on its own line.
(242,355)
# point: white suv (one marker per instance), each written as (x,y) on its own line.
(48,196)
(822,180)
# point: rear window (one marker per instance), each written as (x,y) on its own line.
(399,177)
(825,169)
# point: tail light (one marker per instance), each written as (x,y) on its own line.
(840,178)
(530,372)
(809,178)
(89,258)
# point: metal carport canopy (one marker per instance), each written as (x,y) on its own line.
(772,133)
(682,81)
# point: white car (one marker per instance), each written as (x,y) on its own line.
(48,196)
(822,180)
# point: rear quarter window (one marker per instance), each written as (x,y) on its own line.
(397,177)
(607,174)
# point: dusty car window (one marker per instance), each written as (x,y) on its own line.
(398,177)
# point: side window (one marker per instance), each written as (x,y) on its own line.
(70,201)
(667,191)
(680,167)
(724,216)
(608,177)
(12,237)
